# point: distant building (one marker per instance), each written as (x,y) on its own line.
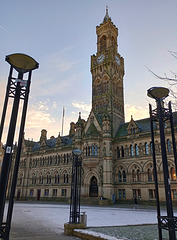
(117,156)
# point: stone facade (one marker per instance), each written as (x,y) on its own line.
(117,156)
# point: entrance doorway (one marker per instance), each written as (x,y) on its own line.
(38,194)
(93,187)
(18,195)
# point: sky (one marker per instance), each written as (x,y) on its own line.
(61,36)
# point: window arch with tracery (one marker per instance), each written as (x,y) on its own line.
(103,43)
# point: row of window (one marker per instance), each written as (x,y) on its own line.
(135,150)
(137,193)
(136,175)
(49,179)
(54,192)
(91,150)
(51,160)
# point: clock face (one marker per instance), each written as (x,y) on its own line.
(117,60)
(101,58)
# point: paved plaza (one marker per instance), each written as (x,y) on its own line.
(42,221)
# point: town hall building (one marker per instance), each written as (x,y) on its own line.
(116,156)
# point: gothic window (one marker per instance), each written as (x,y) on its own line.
(92,150)
(122,151)
(65,178)
(103,43)
(151,147)
(64,158)
(95,150)
(133,176)
(146,148)
(169,145)
(138,176)
(124,176)
(131,150)
(88,150)
(120,176)
(57,178)
(136,150)
(149,175)
(118,152)
(67,158)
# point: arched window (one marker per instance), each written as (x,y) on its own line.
(103,43)
(138,176)
(131,150)
(122,151)
(136,150)
(57,178)
(146,148)
(120,176)
(133,176)
(124,176)
(169,145)
(92,150)
(118,152)
(64,158)
(95,150)
(88,150)
(173,174)
(151,147)
(149,175)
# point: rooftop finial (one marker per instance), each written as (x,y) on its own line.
(106,16)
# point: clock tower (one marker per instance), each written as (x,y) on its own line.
(107,68)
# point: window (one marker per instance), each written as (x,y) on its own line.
(173,174)
(63,192)
(136,150)
(93,150)
(46,192)
(150,194)
(88,150)
(151,146)
(120,193)
(103,43)
(138,176)
(146,148)
(123,193)
(118,152)
(124,176)
(149,175)
(133,176)
(120,176)
(131,150)
(54,192)
(169,145)
(31,192)
(57,178)
(122,151)
(174,194)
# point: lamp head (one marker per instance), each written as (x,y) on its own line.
(157,92)
(22,62)
(77,152)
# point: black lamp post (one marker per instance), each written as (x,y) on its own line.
(162,114)
(18,89)
(75,187)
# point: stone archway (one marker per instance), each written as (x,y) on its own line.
(93,187)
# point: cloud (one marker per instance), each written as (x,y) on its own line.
(81,105)
(136,112)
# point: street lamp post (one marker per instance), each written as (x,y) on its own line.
(75,187)
(17,88)
(161,115)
